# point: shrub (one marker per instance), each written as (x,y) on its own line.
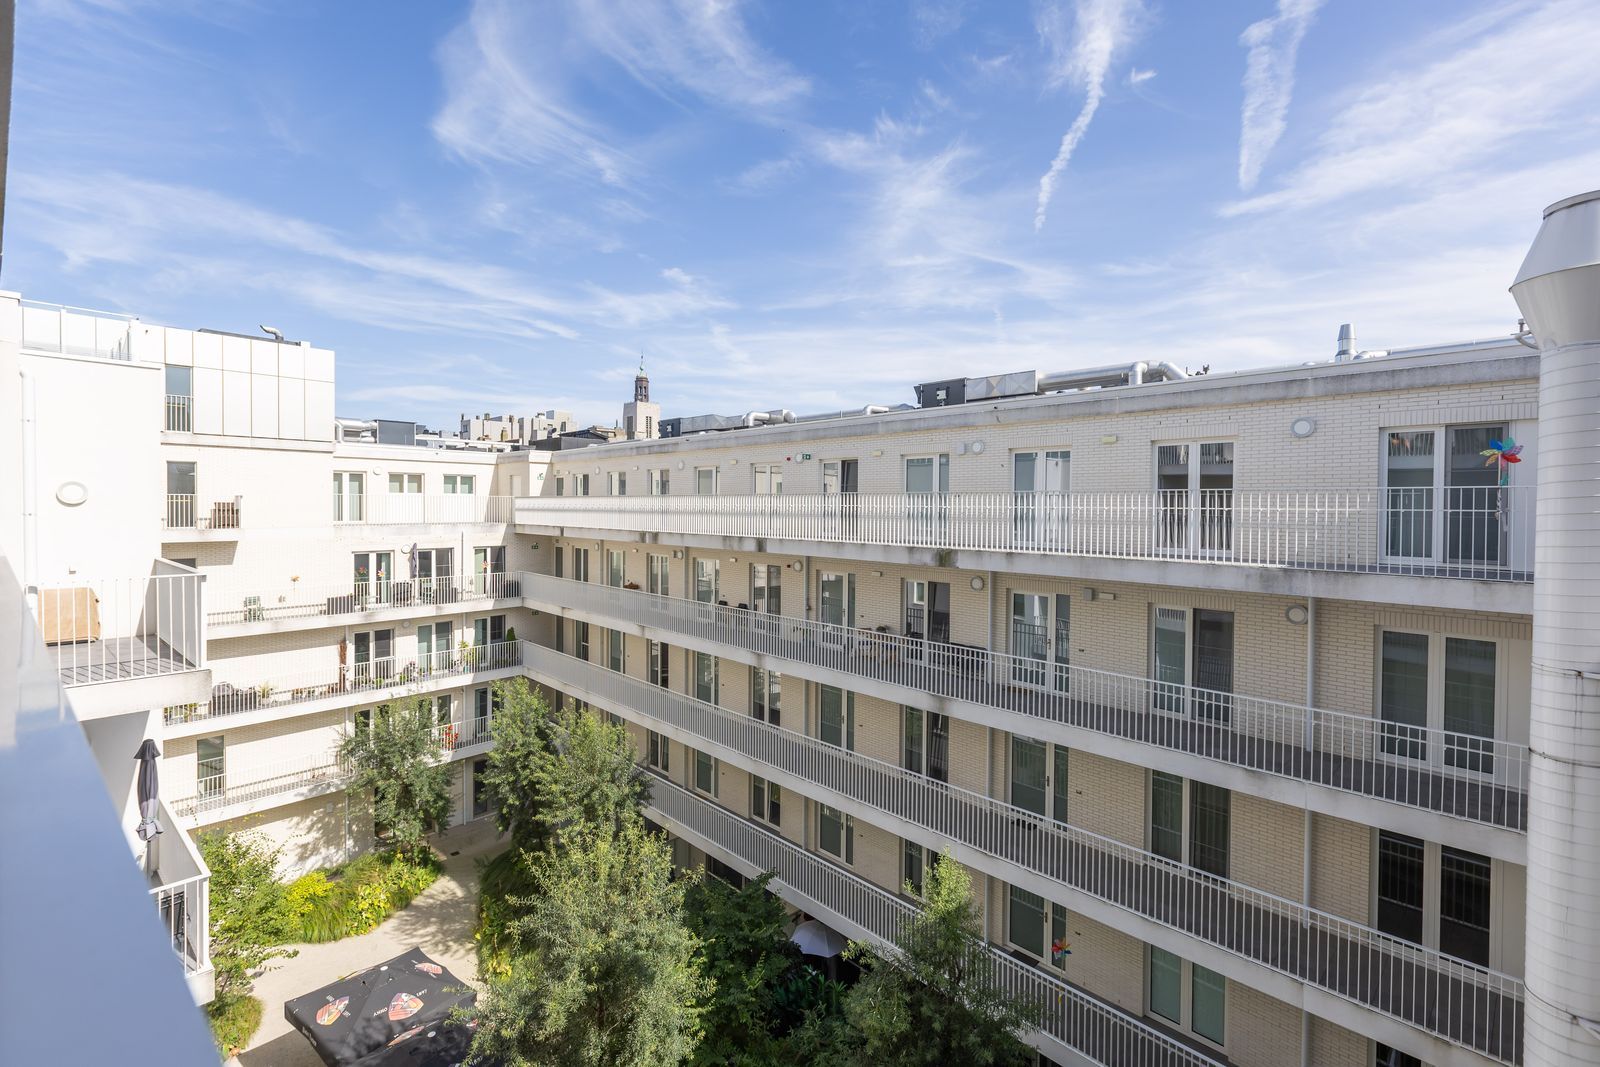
(302,895)
(362,894)
(503,881)
(234,1021)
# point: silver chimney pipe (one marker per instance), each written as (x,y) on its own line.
(1347,343)
(1558,290)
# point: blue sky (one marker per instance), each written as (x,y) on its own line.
(501,205)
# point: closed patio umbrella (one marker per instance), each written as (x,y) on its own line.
(149,790)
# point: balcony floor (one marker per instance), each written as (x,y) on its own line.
(117,658)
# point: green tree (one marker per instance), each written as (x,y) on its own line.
(605,973)
(399,757)
(932,1002)
(522,738)
(745,944)
(248,924)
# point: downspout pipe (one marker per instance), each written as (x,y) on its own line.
(1558,291)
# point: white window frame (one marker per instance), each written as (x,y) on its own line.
(847,835)
(1433,897)
(847,710)
(660,481)
(1438,753)
(1187,978)
(766,479)
(659,664)
(617,483)
(709,763)
(1195,505)
(460,484)
(617,651)
(349,496)
(658,574)
(696,659)
(658,751)
(616,568)
(700,475)
(766,695)
(941,473)
(766,801)
(702,567)
(410,483)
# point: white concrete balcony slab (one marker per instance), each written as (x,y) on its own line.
(266,609)
(1331,963)
(239,702)
(122,644)
(1479,780)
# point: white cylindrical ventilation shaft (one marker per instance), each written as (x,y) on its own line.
(1558,290)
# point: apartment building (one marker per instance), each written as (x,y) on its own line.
(1231,691)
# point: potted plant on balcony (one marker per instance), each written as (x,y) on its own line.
(630,585)
(264,691)
(469,656)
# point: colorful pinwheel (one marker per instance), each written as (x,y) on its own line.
(1501,453)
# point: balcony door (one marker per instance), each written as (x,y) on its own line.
(180,495)
(1192,662)
(372,577)
(432,569)
(1040,482)
(839,479)
(836,597)
(927,617)
(1041,640)
(433,646)
(1439,686)
(487,562)
(1039,782)
(1194,498)
(1442,502)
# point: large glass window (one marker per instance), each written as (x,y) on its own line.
(766,588)
(349,496)
(660,673)
(1403,696)
(405,483)
(459,484)
(836,719)
(658,751)
(1209,817)
(766,694)
(768,478)
(705,481)
(1194,485)
(616,651)
(616,567)
(1401,890)
(1469,700)
(1433,684)
(657,575)
(1166,984)
(836,833)
(1464,879)
(660,482)
(705,773)
(707,575)
(705,677)
(210,766)
(1025,925)
(766,800)
(925,743)
(1166,815)
(1209,1001)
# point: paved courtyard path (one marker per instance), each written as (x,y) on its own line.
(439,921)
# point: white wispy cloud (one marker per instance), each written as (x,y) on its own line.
(1139,77)
(514,73)
(760,177)
(1455,105)
(1269,82)
(1081,57)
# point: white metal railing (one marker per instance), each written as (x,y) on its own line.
(1457,532)
(376,676)
(180,413)
(108,629)
(1464,1003)
(185,511)
(380,508)
(70,331)
(184,907)
(302,600)
(1097,1030)
(1477,778)
(226,788)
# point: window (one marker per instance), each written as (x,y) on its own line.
(434,650)
(657,571)
(1040,482)
(580,564)
(580,639)
(372,577)
(928,474)
(705,773)
(1194,488)
(1433,684)
(616,567)
(349,496)
(916,860)
(836,833)
(617,483)
(480,790)
(660,484)
(1025,925)
(443,713)
(766,800)
(837,601)
(658,751)
(1187,994)
(488,562)
(706,579)
(459,484)
(659,663)
(489,630)
(558,555)
(431,573)
(705,481)
(373,655)
(1192,662)
(616,651)
(210,767)
(1190,818)
(1384,1056)
(766,588)
(766,694)
(836,717)
(1039,781)
(927,615)
(1041,639)
(486,700)
(705,677)
(405,483)
(1432,894)
(1441,501)
(925,743)
(768,478)
(561,487)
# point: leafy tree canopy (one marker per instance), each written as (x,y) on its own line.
(399,758)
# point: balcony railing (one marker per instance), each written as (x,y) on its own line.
(1458,532)
(1462,775)
(103,630)
(391,674)
(1463,1003)
(58,329)
(296,600)
(180,413)
(375,509)
(185,907)
(223,789)
(1090,1026)
(185,511)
